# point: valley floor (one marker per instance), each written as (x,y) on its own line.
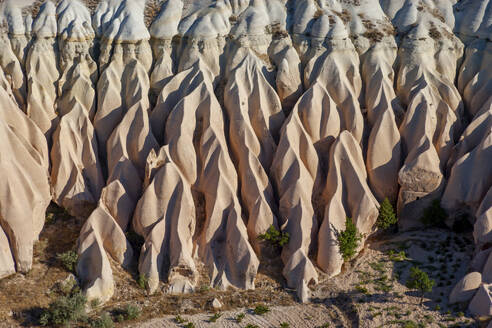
(370,292)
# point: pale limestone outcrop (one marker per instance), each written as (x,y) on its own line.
(195,135)
(337,61)
(19,29)
(348,196)
(165,216)
(299,170)
(222,76)
(464,290)
(25,191)
(481,303)
(162,31)
(76,174)
(128,147)
(255,117)
(470,178)
(42,71)
(432,121)
(125,140)
(483,225)
(383,159)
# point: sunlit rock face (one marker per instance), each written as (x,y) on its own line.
(204,126)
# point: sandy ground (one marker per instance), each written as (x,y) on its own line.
(370,291)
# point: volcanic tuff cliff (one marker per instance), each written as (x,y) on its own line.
(223,118)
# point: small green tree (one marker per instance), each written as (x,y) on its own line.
(420,281)
(68,259)
(275,237)
(348,240)
(387,216)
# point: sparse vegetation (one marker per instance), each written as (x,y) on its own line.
(397,257)
(95,303)
(189,325)
(65,310)
(261,309)
(179,319)
(387,216)
(348,240)
(142,281)
(251,326)
(275,237)
(419,280)
(284,325)
(215,317)
(240,317)
(105,321)
(129,312)
(68,260)
(434,215)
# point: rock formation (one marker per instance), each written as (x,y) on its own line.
(216,121)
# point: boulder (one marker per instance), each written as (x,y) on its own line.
(464,290)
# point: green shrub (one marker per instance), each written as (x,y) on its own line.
(179,319)
(348,240)
(132,312)
(215,317)
(68,260)
(251,326)
(361,289)
(129,312)
(142,281)
(189,325)
(419,280)
(398,257)
(387,216)
(95,303)
(275,237)
(65,310)
(434,215)
(284,325)
(104,321)
(261,309)
(240,317)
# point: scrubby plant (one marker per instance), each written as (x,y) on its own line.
(361,289)
(419,280)
(129,312)
(387,216)
(284,325)
(240,317)
(68,260)
(251,326)
(215,317)
(261,309)
(95,303)
(105,321)
(65,310)
(397,257)
(50,218)
(348,240)
(275,237)
(189,325)
(434,215)
(179,319)
(142,281)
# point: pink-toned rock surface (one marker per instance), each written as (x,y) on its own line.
(203,125)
